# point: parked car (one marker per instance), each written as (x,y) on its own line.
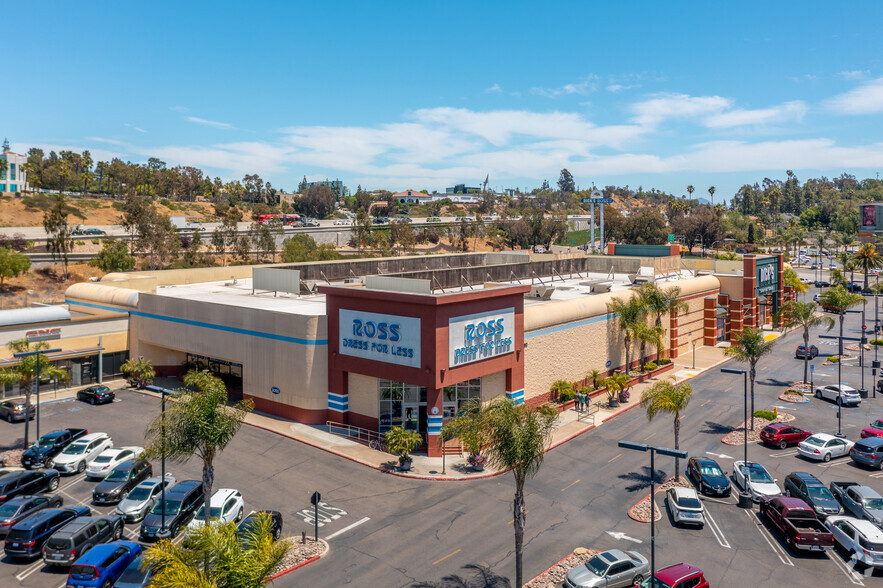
(802,352)
(682,575)
(860,501)
(78,537)
(251,521)
(853,287)
(860,539)
(685,506)
(708,477)
(96,395)
(21,507)
(102,565)
(875,429)
(142,498)
(48,446)
(817,298)
(609,569)
(26,539)
(226,506)
(812,491)
(823,284)
(14,410)
(841,394)
(76,455)
(135,576)
(121,480)
(797,522)
(868,452)
(782,435)
(109,459)
(824,446)
(754,478)
(539,249)
(180,506)
(27,482)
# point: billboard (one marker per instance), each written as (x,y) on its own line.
(869,216)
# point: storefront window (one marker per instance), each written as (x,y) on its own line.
(401,405)
(457,396)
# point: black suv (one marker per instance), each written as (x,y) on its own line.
(121,479)
(180,505)
(802,352)
(96,395)
(26,539)
(810,489)
(32,482)
(79,536)
(19,508)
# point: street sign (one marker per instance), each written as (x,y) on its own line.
(671,238)
(597,200)
(314,500)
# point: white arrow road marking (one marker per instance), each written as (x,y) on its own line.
(345,529)
(780,553)
(720,455)
(853,576)
(716,530)
(617,535)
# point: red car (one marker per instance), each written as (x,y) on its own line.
(875,430)
(682,575)
(782,435)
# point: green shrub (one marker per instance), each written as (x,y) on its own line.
(566,395)
(876,341)
(164,202)
(664,361)
(96,241)
(80,242)
(765,414)
(585,390)
(650,366)
(833,359)
(560,388)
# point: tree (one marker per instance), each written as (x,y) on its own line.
(565,182)
(362,228)
(139,372)
(113,257)
(660,301)
(866,259)
(200,423)
(711,191)
(803,315)
(839,299)
(301,247)
(749,347)
(12,264)
(482,577)
(630,312)
(690,189)
(59,240)
(790,278)
(666,397)
(519,436)
(5,147)
(316,201)
(402,234)
(25,372)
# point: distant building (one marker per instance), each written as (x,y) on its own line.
(462,189)
(336,186)
(412,197)
(13,178)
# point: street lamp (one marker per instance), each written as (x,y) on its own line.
(653,451)
(164,392)
(744,496)
(36,352)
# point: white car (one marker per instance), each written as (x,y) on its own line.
(342,221)
(142,498)
(862,539)
(824,446)
(226,506)
(847,394)
(754,478)
(76,455)
(109,459)
(685,506)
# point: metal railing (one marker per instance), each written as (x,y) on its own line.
(352,432)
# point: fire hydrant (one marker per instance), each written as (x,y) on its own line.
(776,411)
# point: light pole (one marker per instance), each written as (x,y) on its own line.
(653,451)
(163,392)
(36,352)
(744,496)
(693,343)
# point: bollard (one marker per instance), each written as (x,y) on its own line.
(303,537)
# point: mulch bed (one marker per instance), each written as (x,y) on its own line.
(855,347)
(641,511)
(554,576)
(299,553)
(737,436)
(805,386)
(792,397)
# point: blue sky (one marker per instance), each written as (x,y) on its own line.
(424,95)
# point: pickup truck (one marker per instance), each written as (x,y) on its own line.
(48,446)
(797,523)
(860,501)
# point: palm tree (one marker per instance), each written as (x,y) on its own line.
(25,373)
(654,335)
(199,424)
(216,555)
(839,299)
(789,277)
(631,312)
(518,437)
(482,577)
(748,347)
(139,372)
(660,301)
(803,315)
(711,191)
(690,189)
(866,259)
(667,397)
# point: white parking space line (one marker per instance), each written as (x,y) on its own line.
(28,571)
(716,530)
(84,502)
(345,529)
(877,475)
(780,553)
(853,576)
(130,533)
(784,453)
(75,480)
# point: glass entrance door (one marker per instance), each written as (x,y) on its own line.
(414,417)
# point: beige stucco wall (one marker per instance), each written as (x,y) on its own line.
(493,385)
(363,395)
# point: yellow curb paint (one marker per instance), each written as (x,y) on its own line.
(446,557)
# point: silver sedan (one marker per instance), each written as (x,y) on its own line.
(142,498)
(609,569)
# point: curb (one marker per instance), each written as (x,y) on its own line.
(535,578)
(655,508)
(804,401)
(303,563)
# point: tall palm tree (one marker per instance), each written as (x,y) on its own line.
(519,436)
(690,189)
(711,191)
(749,347)
(654,335)
(803,315)
(199,424)
(630,312)
(660,301)
(866,259)
(24,373)
(839,299)
(669,398)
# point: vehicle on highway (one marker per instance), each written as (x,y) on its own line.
(27,482)
(48,446)
(226,506)
(102,565)
(860,501)
(539,249)
(860,539)
(96,395)
(251,521)
(310,222)
(142,498)
(754,478)
(180,506)
(117,484)
(797,523)
(404,219)
(14,410)
(842,394)
(433,219)
(79,536)
(868,452)
(823,446)
(803,352)
(782,435)
(609,569)
(812,491)
(19,508)
(682,575)
(875,429)
(26,539)
(135,576)
(109,459)
(468,219)
(342,221)
(708,477)
(76,455)
(92,231)
(685,506)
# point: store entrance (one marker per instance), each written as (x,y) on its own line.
(414,417)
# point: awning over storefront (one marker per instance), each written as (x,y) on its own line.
(82,352)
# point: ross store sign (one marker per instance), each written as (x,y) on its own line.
(43,334)
(480,336)
(380,337)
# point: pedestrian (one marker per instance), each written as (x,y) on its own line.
(580,401)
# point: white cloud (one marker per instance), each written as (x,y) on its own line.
(788,111)
(581,88)
(139,129)
(865,99)
(856,74)
(675,106)
(495,89)
(208,123)
(621,87)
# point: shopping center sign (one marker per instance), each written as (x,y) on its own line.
(380,337)
(767,275)
(480,336)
